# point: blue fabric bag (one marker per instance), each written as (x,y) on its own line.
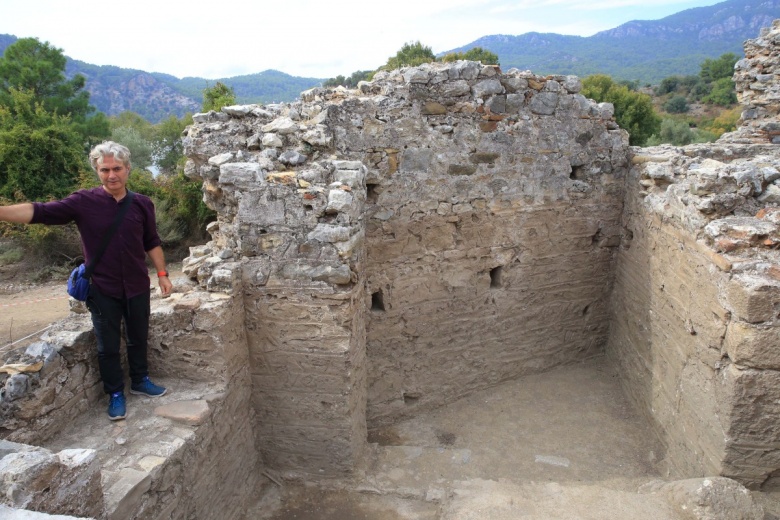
(78,284)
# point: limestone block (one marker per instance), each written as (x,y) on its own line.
(242,175)
(193,412)
(292,158)
(572,84)
(455,88)
(756,346)
(282,126)
(125,496)
(353,247)
(487,87)
(210,117)
(416,160)
(261,208)
(339,275)
(329,233)
(752,299)
(751,404)
(26,473)
(320,135)
(467,70)
(338,201)
(416,75)
(219,160)
(352,178)
(544,103)
(514,102)
(80,491)
(239,110)
(606,110)
(272,140)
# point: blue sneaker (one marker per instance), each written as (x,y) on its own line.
(147,388)
(116,406)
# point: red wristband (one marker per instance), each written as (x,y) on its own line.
(160,274)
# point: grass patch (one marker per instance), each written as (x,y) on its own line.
(11,256)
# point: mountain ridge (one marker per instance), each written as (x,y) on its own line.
(643,50)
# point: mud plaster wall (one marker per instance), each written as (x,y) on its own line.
(694,327)
(667,338)
(490,245)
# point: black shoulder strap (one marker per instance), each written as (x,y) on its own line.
(124,206)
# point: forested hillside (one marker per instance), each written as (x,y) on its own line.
(647,51)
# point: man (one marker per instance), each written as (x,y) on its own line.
(120,280)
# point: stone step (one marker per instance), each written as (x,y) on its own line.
(140,453)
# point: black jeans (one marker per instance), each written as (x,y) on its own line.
(107,314)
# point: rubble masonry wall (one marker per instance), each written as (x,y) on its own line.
(437,231)
(697,294)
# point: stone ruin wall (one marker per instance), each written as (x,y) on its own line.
(697,292)
(384,251)
(441,229)
(194,336)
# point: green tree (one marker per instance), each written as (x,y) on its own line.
(350,82)
(38,68)
(168,144)
(676,105)
(218,96)
(633,110)
(41,155)
(473,54)
(411,54)
(673,132)
(140,149)
(667,85)
(483,55)
(722,93)
(132,120)
(722,67)
(335,82)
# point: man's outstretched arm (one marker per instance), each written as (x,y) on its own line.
(17,213)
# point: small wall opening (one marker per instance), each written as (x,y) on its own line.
(378,301)
(495,277)
(411,397)
(577,173)
(372,195)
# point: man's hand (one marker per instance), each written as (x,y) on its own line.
(165,285)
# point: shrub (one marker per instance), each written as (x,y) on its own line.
(676,105)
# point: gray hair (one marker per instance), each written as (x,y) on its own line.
(109,148)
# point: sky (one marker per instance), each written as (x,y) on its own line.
(308,38)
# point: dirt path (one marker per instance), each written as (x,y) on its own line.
(28,309)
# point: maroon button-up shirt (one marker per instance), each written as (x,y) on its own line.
(121,271)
